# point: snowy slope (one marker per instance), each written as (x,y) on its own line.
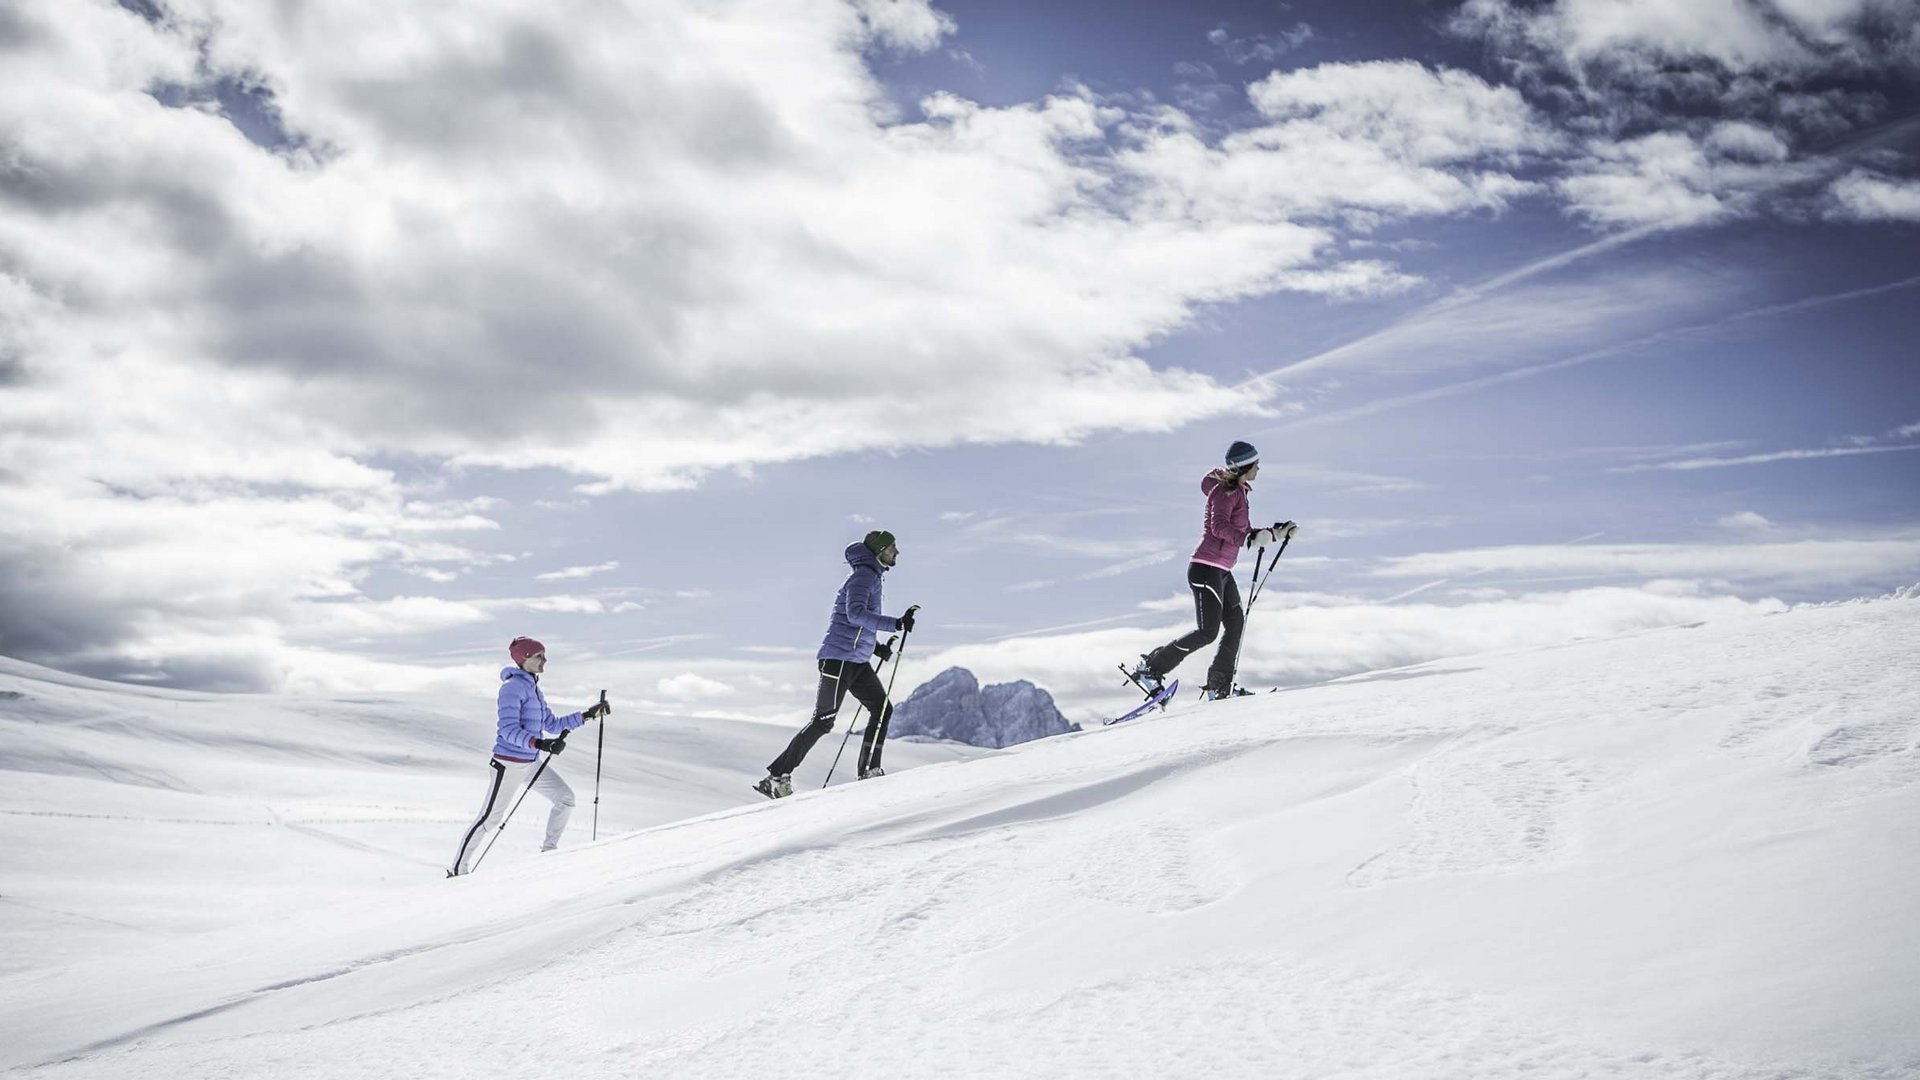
(129,814)
(1692,852)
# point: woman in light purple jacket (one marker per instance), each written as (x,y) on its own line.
(521,736)
(1216,597)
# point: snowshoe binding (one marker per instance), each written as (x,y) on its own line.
(1142,676)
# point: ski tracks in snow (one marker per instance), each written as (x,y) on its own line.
(1470,816)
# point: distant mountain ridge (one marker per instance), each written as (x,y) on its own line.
(953,706)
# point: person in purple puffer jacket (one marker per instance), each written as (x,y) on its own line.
(521,736)
(1216,596)
(853,637)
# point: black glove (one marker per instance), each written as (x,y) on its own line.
(597,710)
(905,623)
(1285,529)
(551,746)
(883,650)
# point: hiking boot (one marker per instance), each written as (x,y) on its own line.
(1143,677)
(775,787)
(1210,694)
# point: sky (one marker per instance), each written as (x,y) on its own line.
(340,344)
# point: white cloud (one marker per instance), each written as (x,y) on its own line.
(1056,534)
(1866,196)
(1259,48)
(328,621)
(1627,38)
(575,573)
(1294,474)
(1745,519)
(1741,140)
(1522,321)
(552,605)
(1888,442)
(1734,93)
(1734,33)
(1672,180)
(688,686)
(1180,601)
(1690,464)
(1815,561)
(750,188)
(1129,565)
(1409,112)
(1360,141)
(912,25)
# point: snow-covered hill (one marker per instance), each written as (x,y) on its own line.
(129,814)
(1691,852)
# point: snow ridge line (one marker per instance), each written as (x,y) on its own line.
(239,821)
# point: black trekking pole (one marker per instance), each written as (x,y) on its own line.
(516,806)
(887,701)
(851,724)
(1253,596)
(600,748)
(857,710)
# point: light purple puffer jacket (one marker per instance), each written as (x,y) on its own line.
(524,716)
(857,621)
(1226,527)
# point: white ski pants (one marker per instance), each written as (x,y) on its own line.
(505,781)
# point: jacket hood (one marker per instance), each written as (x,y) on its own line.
(859,554)
(1211,482)
(509,672)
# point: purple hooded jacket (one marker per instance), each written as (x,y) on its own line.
(1226,528)
(857,623)
(524,716)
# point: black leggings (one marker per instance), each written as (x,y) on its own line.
(1216,602)
(838,678)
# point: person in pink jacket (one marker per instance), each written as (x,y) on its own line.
(1216,597)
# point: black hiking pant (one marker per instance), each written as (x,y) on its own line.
(1216,602)
(838,678)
